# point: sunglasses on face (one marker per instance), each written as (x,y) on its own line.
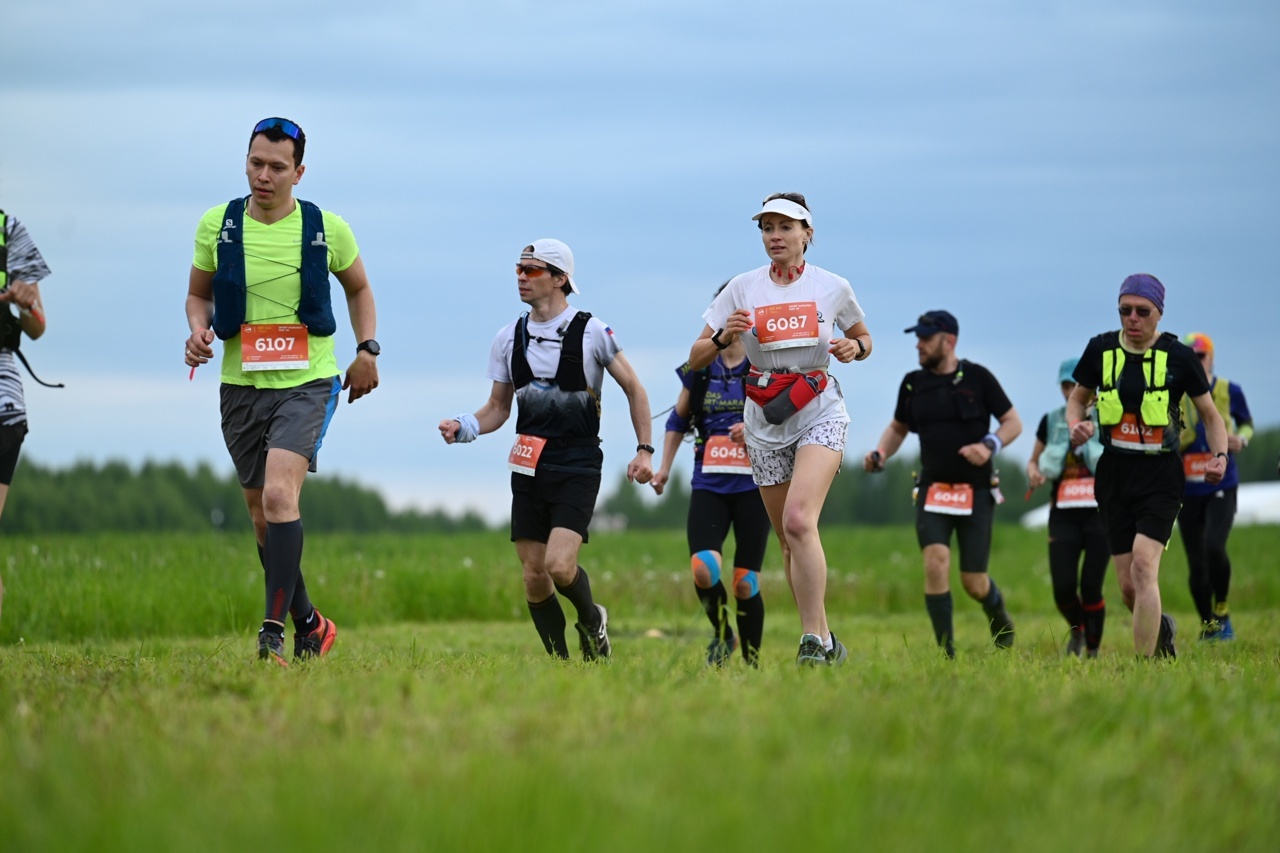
(1202,355)
(1140,310)
(530,272)
(290,129)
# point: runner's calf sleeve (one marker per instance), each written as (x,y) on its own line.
(300,608)
(994,601)
(715,602)
(549,621)
(940,610)
(751,625)
(282,555)
(579,594)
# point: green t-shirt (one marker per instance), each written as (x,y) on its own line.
(272,257)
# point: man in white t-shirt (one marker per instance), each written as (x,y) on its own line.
(22,268)
(552,362)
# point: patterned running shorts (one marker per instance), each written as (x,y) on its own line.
(773,467)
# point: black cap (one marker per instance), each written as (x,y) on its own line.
(932,322)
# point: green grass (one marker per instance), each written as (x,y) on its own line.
(155,729)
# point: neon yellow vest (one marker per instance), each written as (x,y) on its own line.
(1155,398)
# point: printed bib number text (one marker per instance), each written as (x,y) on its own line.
(1131,435)
(267,346)
(949,499)
(1076,493)
(721,455)
(789,324)
(525,453)
(1193,465)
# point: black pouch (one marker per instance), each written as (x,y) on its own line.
(801,391)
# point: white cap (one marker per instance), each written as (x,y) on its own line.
(786,208)
(554,253)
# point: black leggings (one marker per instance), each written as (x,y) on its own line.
(1205,523)
(1072,533)
(710,515)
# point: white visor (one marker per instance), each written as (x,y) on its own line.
(786,208)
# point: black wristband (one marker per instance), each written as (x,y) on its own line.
(862,349)
(640,447)
(715,339)
(1223,455)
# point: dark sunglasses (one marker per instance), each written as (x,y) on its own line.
(1141,310)
(290,129)
(530,272)
(1202,355)
(794,198)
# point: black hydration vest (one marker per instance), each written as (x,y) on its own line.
(571,417)
(230,289)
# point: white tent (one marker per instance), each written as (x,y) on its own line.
(1257,503)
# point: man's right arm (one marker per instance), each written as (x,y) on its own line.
(488,418)
(199,316)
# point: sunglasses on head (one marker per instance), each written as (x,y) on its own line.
(530,271)
(289,128)
(794,198)
(1140,310)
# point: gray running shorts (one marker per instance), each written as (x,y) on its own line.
(255,420)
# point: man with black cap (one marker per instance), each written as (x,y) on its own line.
(1138,377)
(552,362)
(949,403)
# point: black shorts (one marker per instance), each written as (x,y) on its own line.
(10,444)
(552,498)
(973,532)
(255,420)
(711,513)
(1138,494)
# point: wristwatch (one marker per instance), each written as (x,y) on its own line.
(370,346)
(715,339)
(647,447)
(990,443)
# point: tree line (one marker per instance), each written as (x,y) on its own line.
(857,497)
(89,497)
(113,496)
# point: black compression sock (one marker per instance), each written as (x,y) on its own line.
(579,594)
(940,614)
(751,626)
(283,556)
(715,602)
(549,621)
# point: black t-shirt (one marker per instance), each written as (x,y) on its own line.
(948,412)
(1184,375)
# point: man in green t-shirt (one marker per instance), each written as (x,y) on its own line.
(280,377)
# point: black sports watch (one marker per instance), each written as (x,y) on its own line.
(370,346)
(647,447)
(715,339)
(990,443)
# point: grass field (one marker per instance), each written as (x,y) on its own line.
(134,717)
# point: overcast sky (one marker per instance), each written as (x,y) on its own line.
(1011,162)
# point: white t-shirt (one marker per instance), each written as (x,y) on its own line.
(543,350)
(25,264)
(836,309)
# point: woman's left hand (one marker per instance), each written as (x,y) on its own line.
(738,433)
